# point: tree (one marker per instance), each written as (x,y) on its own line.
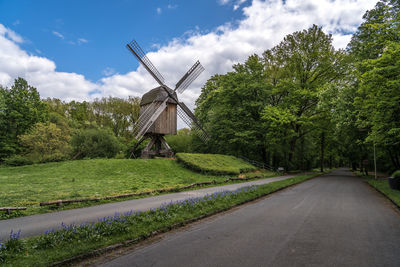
(23,108)
(46,142)
(230,108)
(373,46)
(305,62)
(379,106)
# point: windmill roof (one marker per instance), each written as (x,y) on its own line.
(157,94)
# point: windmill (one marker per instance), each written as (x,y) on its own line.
(159,109)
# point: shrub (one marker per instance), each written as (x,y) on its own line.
(17,160)
(95,143)
(46,143)
(180,143)
(396,174)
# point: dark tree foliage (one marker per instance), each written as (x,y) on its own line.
(95,143)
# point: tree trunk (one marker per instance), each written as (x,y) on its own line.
(322,151)
(291,152)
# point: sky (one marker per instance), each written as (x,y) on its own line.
(75,50)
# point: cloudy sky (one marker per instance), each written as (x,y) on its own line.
(76,49)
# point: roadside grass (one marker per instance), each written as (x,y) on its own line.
(27,186)
(383,187)
(79,242)
(214,163)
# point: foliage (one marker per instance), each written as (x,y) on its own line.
(75,240)
(379,100)
(46,142)
(396,174)
(267,105)
(375,48)
(17,160)
(182,142)
(95,143)
(214,163)
(115,113)
(20,109)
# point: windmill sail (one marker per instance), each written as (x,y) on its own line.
(141,56)
(148,117)
(189,77)
(190,119)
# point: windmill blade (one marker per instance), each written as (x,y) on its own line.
(141,56)
(189,77)
(190,119)
(148,117)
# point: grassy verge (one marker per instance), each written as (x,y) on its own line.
(214,163)
(77,242)
(383,187)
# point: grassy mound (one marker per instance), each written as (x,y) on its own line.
(214,163)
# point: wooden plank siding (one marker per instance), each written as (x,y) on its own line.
(166,122)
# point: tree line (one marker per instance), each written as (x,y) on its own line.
(301,104)
(35,130)
(304,104)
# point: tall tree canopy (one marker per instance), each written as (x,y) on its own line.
(267,104)
(21,109)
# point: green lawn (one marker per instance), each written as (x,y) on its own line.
(27,186)
(214,163)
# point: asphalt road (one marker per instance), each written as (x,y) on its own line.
(333,220)
(38,224)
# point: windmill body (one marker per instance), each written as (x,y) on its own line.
(160,107)
(166,123)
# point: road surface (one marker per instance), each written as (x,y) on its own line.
(332,220)
(38,224)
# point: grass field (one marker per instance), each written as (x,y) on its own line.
(27,186)
(214,163)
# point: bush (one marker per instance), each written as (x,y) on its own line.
(180,143)
(95,143)
(46,143)
(17,160)
(396,174)
(214,163)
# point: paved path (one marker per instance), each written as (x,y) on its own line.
(333,220)
(38,224)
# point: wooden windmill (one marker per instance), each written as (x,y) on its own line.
(159,109)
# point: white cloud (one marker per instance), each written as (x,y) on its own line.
(158,10)
(82,41)
(108,71)
(263,26)
(59,35)
(172,6)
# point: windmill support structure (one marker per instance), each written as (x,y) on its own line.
(157,147)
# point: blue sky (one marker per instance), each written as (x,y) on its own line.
(76,49)
(89,36)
